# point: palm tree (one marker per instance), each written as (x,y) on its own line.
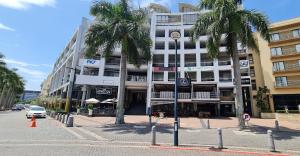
(119,25)
(11,85)
(226,17)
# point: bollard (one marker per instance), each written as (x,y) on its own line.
(57,116)
(60,116)
(299,108)
(70,121)
(271,141)
(153,135)
(63,118)
(220,139)
(207,124)
(277,125)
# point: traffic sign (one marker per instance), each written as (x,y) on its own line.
(246,117)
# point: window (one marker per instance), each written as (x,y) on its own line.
(276,51)
(190,19)
(160,33)
(281,81)
(278,66)
(296,33)
(159,45)
(162,19)
(275,37)
(191,75)
(158,76)
(298,48)
(253,83)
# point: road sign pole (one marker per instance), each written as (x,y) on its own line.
(175,101)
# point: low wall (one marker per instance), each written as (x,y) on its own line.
(288,117)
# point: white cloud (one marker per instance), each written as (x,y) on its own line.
(31,72)
(4,27)
(145,3)
(24,4)
(25,64)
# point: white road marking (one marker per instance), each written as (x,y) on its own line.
(90,133)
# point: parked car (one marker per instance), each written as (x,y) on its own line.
(36,111)
(18,107)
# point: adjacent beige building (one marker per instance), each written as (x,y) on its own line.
(277,66)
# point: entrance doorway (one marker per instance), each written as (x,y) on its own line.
(136,102)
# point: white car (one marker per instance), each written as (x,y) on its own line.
(36,111)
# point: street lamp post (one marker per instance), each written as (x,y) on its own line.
(69,93)
(175,36)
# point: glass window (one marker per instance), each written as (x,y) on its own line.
(278,66)
(298,48)
(275,37)
(281,81)
(296,33)
(276,51)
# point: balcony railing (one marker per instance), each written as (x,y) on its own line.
(195,95)
(287,51)
(224,63)
(285,36)
(113,62)
(288,67)
(158,64)
(205,95)
(207,63)
(291,83)
(190,64)
(135,78)
(227,98)
(225,79)
(207,79)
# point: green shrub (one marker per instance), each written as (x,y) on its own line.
(90,106)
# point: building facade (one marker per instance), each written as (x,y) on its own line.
(152,84)
(279,67)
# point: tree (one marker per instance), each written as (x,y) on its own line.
(119,25)
(226,17)
(262,101)
(11,85)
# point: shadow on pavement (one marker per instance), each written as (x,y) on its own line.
(142,128)
(284,133)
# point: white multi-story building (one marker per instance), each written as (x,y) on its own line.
(152,85)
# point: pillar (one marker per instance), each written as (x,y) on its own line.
(83,97)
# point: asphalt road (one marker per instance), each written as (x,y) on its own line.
(51,138)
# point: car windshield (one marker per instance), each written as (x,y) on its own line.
(37,109)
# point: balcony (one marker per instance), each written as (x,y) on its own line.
(163,95)
(190,64)
(225,79)
(158,64)
(227,98)
(205,95)
(224,62)
(287,68)
(288,84)
(136,78)
(207,63)
(168,19)
(286,52)
(285,37)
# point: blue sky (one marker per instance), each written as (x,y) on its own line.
(34,32)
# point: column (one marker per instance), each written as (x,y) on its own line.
(83,97)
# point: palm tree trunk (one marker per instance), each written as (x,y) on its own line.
(7,99)
(121,90)
(11,100)
(2,96)
(237,81)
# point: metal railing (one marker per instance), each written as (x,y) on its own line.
(227,98)
(225,79)
(173,64)
(287,51)
(158,64)
(288,67)
(137,78)
(291,83)
(208,79)
(285,36)
(205,95)
(224,63)
(207,63)
(190,64)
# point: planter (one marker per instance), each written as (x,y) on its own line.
(90,112)
(268,115)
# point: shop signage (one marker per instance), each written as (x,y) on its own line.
(90,61)
(104,91)
(184,82)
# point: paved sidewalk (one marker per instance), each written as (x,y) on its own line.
(192,132)
(189,123)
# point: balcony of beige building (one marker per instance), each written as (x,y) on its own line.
(285,52)
(287,82)
(286,66)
